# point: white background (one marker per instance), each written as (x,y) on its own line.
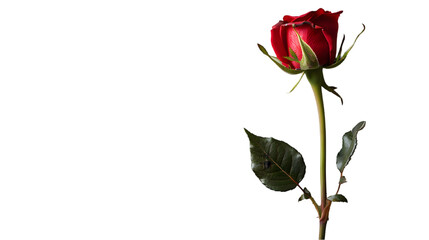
(124,120)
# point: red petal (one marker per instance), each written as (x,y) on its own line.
(280,47)
(292,42)
(329,23)
(314,38)
(309,16)
(288,19)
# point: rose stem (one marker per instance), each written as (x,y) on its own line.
(315,77)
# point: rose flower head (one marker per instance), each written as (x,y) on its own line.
(307,41)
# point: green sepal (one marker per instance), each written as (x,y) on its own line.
(337,198)
(278,166)
(278,62)
(297,83)
(292,59)
(309,58)
(341,59)
(341,49)
(349,146)
(293,54)
(305,195)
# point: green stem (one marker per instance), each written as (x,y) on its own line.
(315,77)
(322,230)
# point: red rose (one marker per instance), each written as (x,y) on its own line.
(317,28)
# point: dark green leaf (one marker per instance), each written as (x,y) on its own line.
(277,165)
(337,198)
(278,62)
(349,146)
(305,195)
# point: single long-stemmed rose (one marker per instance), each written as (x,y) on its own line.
(304,45)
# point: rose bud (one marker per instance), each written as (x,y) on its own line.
(307,41)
